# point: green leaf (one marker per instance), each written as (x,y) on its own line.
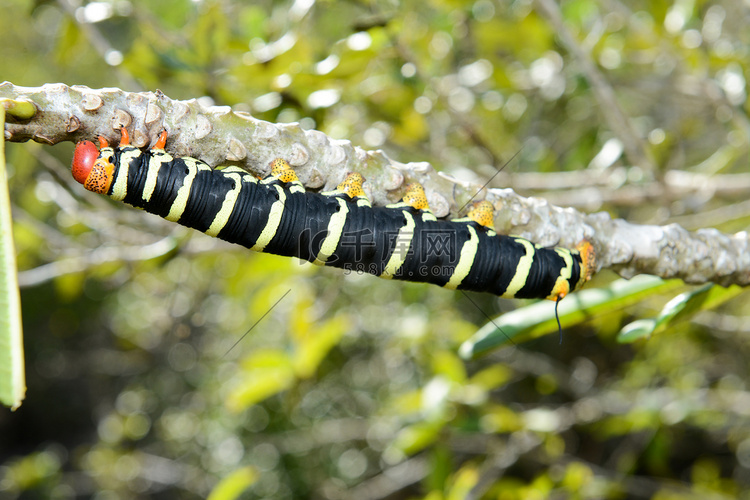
(260,385)
(234,484)
(415,438)
(464,482)
(538,318)
(679,309)
(448,365)
(12,381)
(266,372)
(638,329)
(313,348)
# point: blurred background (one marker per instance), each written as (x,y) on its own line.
(352,387)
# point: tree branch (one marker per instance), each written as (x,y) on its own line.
(219,135)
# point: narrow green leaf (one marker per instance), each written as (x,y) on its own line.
(684,306)
(234,484)
(538,318)
(641,328)
(12,381)
(679,309)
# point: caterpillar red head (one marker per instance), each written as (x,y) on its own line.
(91,168)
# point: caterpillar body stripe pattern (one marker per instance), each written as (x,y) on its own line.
(340,228)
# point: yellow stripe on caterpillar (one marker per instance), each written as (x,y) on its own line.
(272,225)
(335,229)
(465,260)
(401,249)
(222,217)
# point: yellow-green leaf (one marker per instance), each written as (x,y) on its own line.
(258,386)
(12,380)
(234,484)
(416,437)
(465,480)
(313,348)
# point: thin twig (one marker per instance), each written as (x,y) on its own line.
(100,43)
(99,256)
(635,148)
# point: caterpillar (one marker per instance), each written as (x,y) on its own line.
(339,228)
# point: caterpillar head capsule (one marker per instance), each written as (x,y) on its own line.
(84,157)
(91,170)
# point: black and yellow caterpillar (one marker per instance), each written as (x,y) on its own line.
(339,228)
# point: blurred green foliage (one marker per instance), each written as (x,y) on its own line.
(352,387)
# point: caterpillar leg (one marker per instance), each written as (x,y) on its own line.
(415,197)
(125,138)
(483,213)
(352,185)
(560,291)
(161,141)
(281,170)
